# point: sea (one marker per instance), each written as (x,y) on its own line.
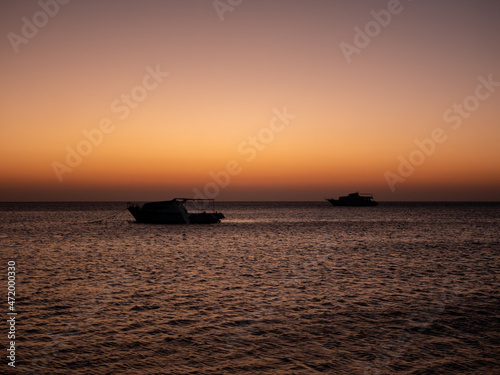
(275,288)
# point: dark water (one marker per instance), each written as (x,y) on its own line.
(277,288)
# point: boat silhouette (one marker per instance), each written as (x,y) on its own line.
(174,212)
(354,199)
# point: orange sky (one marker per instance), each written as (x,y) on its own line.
(183,89)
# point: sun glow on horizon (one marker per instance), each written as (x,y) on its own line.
(176,95)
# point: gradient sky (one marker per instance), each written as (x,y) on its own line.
(226,80)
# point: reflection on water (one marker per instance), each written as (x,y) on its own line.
(277,288)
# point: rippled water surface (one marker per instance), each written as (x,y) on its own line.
(276,288)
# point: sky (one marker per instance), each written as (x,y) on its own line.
(249,99)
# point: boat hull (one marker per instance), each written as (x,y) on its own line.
(158,217)
(353,203)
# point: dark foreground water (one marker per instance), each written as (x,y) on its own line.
(277,288)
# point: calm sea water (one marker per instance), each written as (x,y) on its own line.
(277,288)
